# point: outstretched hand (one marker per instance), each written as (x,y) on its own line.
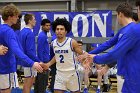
(37,67)
(45,66)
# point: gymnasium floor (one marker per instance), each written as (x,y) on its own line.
(91,89)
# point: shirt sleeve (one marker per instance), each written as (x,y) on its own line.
(125,43)
(108,44)
(13,45)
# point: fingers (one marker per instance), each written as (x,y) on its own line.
(45,66)
(37,67)
(3,50)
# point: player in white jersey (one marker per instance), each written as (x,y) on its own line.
(64,48)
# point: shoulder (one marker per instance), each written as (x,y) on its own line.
(133,32)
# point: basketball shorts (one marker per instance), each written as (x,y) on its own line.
(8,81)
(29,72)
(67,80)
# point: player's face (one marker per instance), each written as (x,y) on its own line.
(80,46)
(14,19)
(60,31)
(33,21)
(46,27)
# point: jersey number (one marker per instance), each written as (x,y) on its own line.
(61,59)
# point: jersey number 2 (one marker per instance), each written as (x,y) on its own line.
(61,59)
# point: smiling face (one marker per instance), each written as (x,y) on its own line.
(60,31)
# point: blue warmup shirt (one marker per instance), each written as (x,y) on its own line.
(113,41)
(8,61)
(27,39)
(127,48)
(43,50)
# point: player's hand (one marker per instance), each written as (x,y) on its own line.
(37,67)
(82,58)
(45,66)
(90,58)
(3,50)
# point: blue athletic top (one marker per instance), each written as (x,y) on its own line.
(43,49)
(27,39)
(8,62)
(113,41)
(127,48)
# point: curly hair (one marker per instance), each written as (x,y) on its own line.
(61,21)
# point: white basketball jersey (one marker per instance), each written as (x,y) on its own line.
(64,55)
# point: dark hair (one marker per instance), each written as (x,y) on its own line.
(44,21)
(61,21)
(137,3)
(125,8)
(17,26)
(28,17)
(135,16)
(80,42)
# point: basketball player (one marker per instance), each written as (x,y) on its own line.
(126,52)
(64,48)
(27,39)
(8,64)
(43,52)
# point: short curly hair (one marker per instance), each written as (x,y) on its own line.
(61,21)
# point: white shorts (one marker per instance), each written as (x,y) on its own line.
(8,81)
(67,81)
(29,72)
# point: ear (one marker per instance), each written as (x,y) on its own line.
(121,14)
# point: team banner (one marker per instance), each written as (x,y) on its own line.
(84,24)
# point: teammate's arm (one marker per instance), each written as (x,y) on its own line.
(47,65)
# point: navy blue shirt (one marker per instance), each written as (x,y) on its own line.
(43,50)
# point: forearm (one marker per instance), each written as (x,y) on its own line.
(52,61)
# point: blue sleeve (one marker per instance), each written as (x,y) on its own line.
(40,43)
(105,46)
(30,47)
(125,43)
(13,45)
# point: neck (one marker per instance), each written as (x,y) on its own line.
(8,22)
(126,21)
(30,26)
(60,40)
